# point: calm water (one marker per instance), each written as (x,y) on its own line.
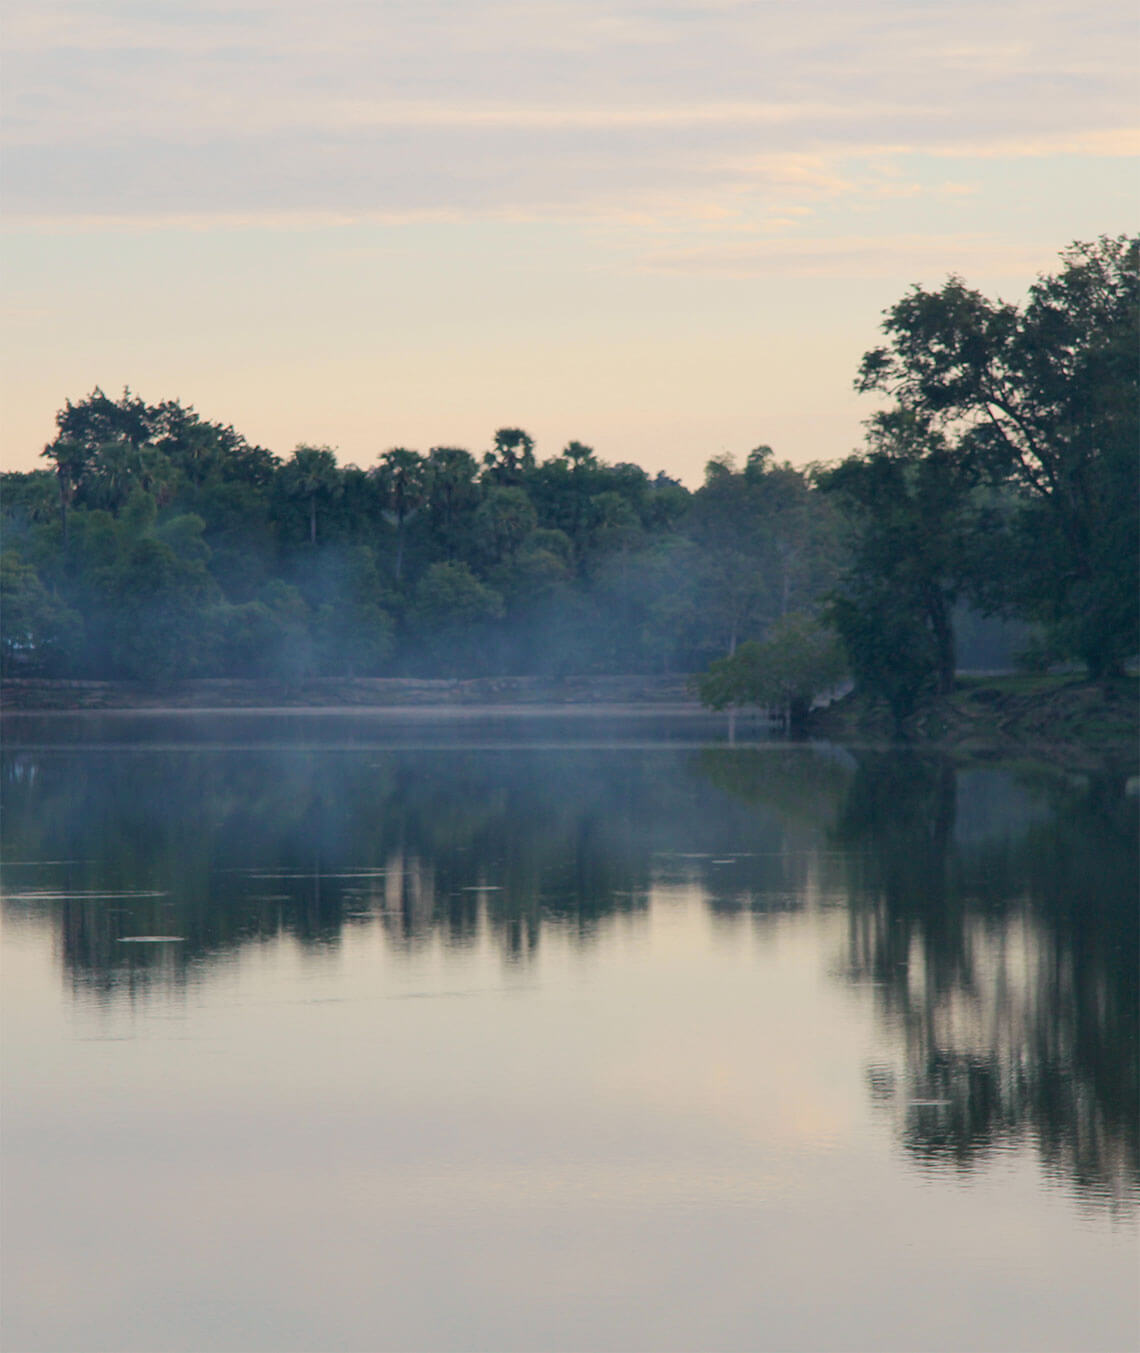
(474,1033)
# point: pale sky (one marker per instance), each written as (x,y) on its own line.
(666,229)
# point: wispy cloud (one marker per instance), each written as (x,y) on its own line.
(1095,142)
(136,71)
(643,151)
(865,256)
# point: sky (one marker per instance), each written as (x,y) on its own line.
(666,229)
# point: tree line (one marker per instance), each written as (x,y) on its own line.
(998,477)
(160,544)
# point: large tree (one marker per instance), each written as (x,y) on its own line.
(909,501)
(1042,398)
(760,548)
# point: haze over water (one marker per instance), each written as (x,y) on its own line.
(560,1032)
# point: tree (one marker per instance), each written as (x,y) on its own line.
(512,458)
(798,661)
(202,451)
(451,611)
(891,650)
(154,601)
(908,501)
(71,460)
(562,488)
(37,632)
(760,547)
(118,468)
(504,519)
(403,478)
(99,421)
(353,631)
(1044,398)
(452,493)
(312,474)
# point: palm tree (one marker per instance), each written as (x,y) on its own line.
(512,459)
(403,479)
(451,487)
(71,460)
(311,474)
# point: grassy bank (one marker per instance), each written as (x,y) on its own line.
(1045,715)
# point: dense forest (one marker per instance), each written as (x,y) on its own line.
(998,478)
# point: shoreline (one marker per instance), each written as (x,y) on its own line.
(1063,720)
(211,695)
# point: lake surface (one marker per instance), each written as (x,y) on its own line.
(477,1032)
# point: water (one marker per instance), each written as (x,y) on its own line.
(527,1033)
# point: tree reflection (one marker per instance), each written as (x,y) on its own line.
(1006,956)
(223,849)
(990,911)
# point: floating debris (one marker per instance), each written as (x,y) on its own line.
(31,864)
(152,939)
(74,895)
(307,873)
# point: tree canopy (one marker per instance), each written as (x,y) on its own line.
(998,478)
(164,543)
(1041,404)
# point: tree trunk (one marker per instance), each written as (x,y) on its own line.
(798,711)
(943,628)
(312,519)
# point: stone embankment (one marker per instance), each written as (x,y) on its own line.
(336,692)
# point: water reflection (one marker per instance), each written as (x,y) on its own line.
(992,912)
(1006,956)
(989,913)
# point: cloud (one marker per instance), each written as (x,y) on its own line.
(578,110)
(1097,142)
(857,255)
(707,118)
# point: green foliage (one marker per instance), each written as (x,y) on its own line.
(1001,481)
(245,640)
(156,600)
(1043,399)
(105,448)
(891,651)
(909,500)
(450,613)
(450,595)
(353,631)
(766,548)
(504,519)
(799,660)
(404,478)
(452,495)
(512,458)
(1005,475)
(313,477)
(37,632)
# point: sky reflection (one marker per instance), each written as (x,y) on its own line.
(509,1022)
